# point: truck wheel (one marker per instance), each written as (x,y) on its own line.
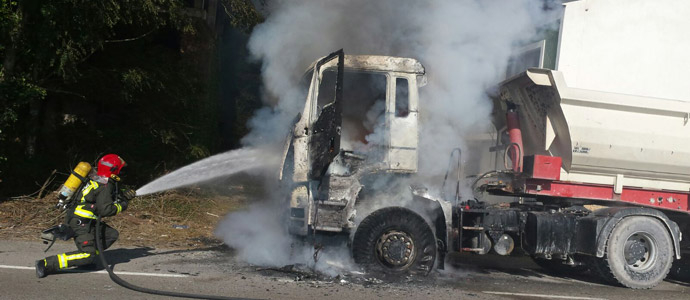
(639,253)
(395,240)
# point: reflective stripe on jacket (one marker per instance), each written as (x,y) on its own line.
(97,199)
(92,185)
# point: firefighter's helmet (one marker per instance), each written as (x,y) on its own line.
(110,166)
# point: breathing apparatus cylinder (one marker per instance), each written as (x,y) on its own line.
(73,182)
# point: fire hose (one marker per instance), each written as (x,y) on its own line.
(125,284)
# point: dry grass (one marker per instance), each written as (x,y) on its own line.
(149,221)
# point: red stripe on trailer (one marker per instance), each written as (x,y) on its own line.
(650,198)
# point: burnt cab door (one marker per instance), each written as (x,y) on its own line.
(325,113)
(402,155)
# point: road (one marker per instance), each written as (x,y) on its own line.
(217,272)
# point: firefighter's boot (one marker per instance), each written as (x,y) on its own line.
(47,266)
(41,268)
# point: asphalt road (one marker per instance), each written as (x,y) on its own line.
(217,272)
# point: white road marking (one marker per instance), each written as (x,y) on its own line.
(542,296)
(100,272)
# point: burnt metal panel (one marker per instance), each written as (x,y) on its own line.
(588,229)
(325,141)
(335,202)
(550,233)
(502,220)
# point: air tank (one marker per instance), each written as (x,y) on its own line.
(73,182)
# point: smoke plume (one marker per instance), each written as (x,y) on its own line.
(463,44)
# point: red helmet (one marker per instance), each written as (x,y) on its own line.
(110,164)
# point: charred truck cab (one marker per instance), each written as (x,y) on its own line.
(359,124)
(346,133)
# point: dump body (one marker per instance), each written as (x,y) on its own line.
(602,138)
(627,47)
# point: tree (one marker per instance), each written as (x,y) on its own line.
(82,77)
(48,40)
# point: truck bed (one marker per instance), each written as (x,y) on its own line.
(603,138)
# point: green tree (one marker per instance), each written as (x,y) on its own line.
(80,78)
(48,40)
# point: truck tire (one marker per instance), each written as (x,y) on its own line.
(639,253)
(396,241)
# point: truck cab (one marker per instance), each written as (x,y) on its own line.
(360,118)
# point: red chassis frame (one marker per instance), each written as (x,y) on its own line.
(542,178)
(669,200)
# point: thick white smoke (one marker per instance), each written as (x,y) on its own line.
(260,236)
(464,45)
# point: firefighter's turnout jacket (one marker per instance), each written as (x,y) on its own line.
(97,198)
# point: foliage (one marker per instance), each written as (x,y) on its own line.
(22,91)
(242,13)
(83,78)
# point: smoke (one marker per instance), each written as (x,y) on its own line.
(260,236)
(464,46)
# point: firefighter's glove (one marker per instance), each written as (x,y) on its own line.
(122,205)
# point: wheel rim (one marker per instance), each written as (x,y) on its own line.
(640,251)
(395,249)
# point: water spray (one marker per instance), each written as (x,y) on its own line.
(217,166)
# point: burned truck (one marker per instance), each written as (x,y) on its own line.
(591,156)
(585,198)
(359,125)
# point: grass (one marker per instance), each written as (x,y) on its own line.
(149,221)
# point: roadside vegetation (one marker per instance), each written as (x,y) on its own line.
(178,219)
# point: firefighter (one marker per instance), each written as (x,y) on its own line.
(99,197)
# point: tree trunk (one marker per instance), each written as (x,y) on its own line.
(9,63)
(11,54)
(26,9)
(34,125)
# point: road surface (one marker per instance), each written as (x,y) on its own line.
(217,272)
